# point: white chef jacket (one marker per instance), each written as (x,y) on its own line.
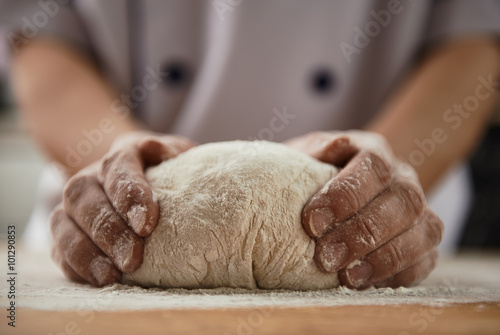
(254,69)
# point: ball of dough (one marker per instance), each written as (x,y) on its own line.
(230,216)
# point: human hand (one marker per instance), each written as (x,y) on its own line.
(108,208)
(371,222)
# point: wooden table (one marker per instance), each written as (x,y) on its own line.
(475,318)
(471,305)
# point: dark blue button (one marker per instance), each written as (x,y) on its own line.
(177,73)
(322,81)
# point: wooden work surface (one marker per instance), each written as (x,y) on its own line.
(403,319)
(461,297)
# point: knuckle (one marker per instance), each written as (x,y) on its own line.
(101,224)
(394,256)
(78,246)
(379,164)
(56,218)
(436,228)
(128,192)
(370,232)
(75,187)
(412,196)
(346,194)
(323,197)
(109,160)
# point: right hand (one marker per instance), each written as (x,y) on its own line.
(108,208)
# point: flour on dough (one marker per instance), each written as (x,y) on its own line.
(230,216)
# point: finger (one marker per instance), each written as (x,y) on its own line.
(368,174)
(396,255)
(414,274)
(337,152)
(88,206)
(327,147)
(81,255)
(122,177)
(155,149)
(394,211)
(67,270)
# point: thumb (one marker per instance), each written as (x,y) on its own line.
(155,149)
(336,149)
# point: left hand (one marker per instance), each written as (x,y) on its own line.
(371,222)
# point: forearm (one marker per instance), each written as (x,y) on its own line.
(62,100)
(438,116)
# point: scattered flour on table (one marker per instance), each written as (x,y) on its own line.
(470,278)
(123,297)
(230,216)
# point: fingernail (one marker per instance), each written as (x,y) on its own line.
(332,256)
(123,251)
(321,221)
(358,273)
(137,219)
(103,271)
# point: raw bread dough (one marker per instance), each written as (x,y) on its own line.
(230,216)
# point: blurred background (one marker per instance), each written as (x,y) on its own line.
(21,165)
(20,161)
